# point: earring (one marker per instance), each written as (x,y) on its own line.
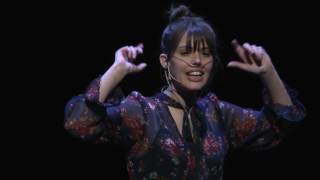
(166,74)
(166,65)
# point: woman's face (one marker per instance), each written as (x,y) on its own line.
(190,66)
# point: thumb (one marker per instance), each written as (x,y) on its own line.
(235,64)
(138,67)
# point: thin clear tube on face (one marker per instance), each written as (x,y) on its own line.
(169,75)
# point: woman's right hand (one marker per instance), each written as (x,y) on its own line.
(125,56)
(122,66)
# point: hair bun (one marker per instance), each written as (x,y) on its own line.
(179,12)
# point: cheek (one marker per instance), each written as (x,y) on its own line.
(208,67)
(176,70)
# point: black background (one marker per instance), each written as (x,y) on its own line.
(76,42)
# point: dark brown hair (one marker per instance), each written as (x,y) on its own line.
(181,21)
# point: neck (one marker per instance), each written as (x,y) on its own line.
(186,98)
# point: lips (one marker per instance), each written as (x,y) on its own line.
(195,75)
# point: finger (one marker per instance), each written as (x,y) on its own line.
(139,48)
(239,50)
(243,66)
(260,52)
(249,53)
(263,55)
(141,66)
(134,52)
(130,52)
(124,52)
(137,68)
(257,54)
(239,65)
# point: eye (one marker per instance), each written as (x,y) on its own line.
(206,53)
(184,52)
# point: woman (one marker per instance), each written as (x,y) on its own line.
(184,131)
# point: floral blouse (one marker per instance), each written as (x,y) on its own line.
(155,147)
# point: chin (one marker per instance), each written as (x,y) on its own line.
(192,86)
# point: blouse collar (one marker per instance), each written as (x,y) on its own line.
(167,100)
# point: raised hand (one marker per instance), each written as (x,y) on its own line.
(122,66)
(254,58)
(126,55)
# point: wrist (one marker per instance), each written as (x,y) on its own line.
(269,74)
(119,69)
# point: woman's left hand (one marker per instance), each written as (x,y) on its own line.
(254,59)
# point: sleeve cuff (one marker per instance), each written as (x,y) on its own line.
(92,97)
(295,112)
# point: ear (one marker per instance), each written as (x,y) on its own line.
(163,60)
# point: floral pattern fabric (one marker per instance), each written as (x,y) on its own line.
(155,147)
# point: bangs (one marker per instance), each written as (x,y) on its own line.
(198,36)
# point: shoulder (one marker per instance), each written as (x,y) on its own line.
(207,100)
(135,95)
(144,101)
(212,100)
(210,97)
(218,102)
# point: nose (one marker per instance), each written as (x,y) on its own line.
(196,60)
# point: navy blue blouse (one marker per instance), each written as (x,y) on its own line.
(155,147)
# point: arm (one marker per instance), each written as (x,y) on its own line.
(122,66)
(98,113)
(276,88)
(256,60)
(265,128)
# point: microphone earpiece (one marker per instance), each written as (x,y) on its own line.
(166,65)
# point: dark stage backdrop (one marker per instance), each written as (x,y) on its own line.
(78,42)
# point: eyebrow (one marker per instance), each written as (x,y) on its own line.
(185,47)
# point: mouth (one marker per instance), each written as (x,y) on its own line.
(195,75)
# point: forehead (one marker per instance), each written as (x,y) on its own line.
(192,40)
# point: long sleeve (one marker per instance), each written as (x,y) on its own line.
(255,130)
(118,119)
